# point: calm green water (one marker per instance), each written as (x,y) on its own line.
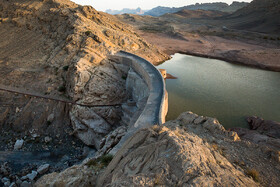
(219,89)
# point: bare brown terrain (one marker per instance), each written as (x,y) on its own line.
(214,35)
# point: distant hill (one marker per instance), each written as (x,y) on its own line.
(259,16)
(195,14)
(137,11)
(224,7)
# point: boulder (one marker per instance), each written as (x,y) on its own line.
(43,168)
(89,127)
(18,145)
(31,176)
(26,184)
(50,118)
(268,127)
(73,176)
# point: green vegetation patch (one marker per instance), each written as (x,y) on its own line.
(101,162)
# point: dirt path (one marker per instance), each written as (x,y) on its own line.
(34,95)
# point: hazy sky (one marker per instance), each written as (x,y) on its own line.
(144,4)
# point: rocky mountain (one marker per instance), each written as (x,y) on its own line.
(58,49)
(158,11)
(259,15)
(137,11)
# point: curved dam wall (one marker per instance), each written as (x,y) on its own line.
(155,106)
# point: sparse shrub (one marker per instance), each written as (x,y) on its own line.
(254,174)
(88,33)
(278,38)
(101,162)
(265,37)
(106,159)
(92,163)
(61,88)
(271,38)
(124,77)
(65,68)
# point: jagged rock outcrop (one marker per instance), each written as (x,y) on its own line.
(268,127)
(189,151)
(171,155)
(265,133)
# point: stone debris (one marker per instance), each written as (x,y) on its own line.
(17,110)
(26,184)
(43,168)
(50,118)
(32,176)
(18,182)
(47,139)
(18,145)
(5,179)
(13,184)
(7,183)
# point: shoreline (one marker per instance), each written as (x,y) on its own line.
(258,66)
(214,47)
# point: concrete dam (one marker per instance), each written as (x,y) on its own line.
(146,88)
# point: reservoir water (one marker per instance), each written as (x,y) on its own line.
(222,90)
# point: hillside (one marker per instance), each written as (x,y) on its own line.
(259,16)
(58,49)
(186,14)
(158,11)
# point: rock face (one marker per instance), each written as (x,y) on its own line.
(266,133)
(268,127)
(190,151)
(172,156)
(89,126)
(74,176)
